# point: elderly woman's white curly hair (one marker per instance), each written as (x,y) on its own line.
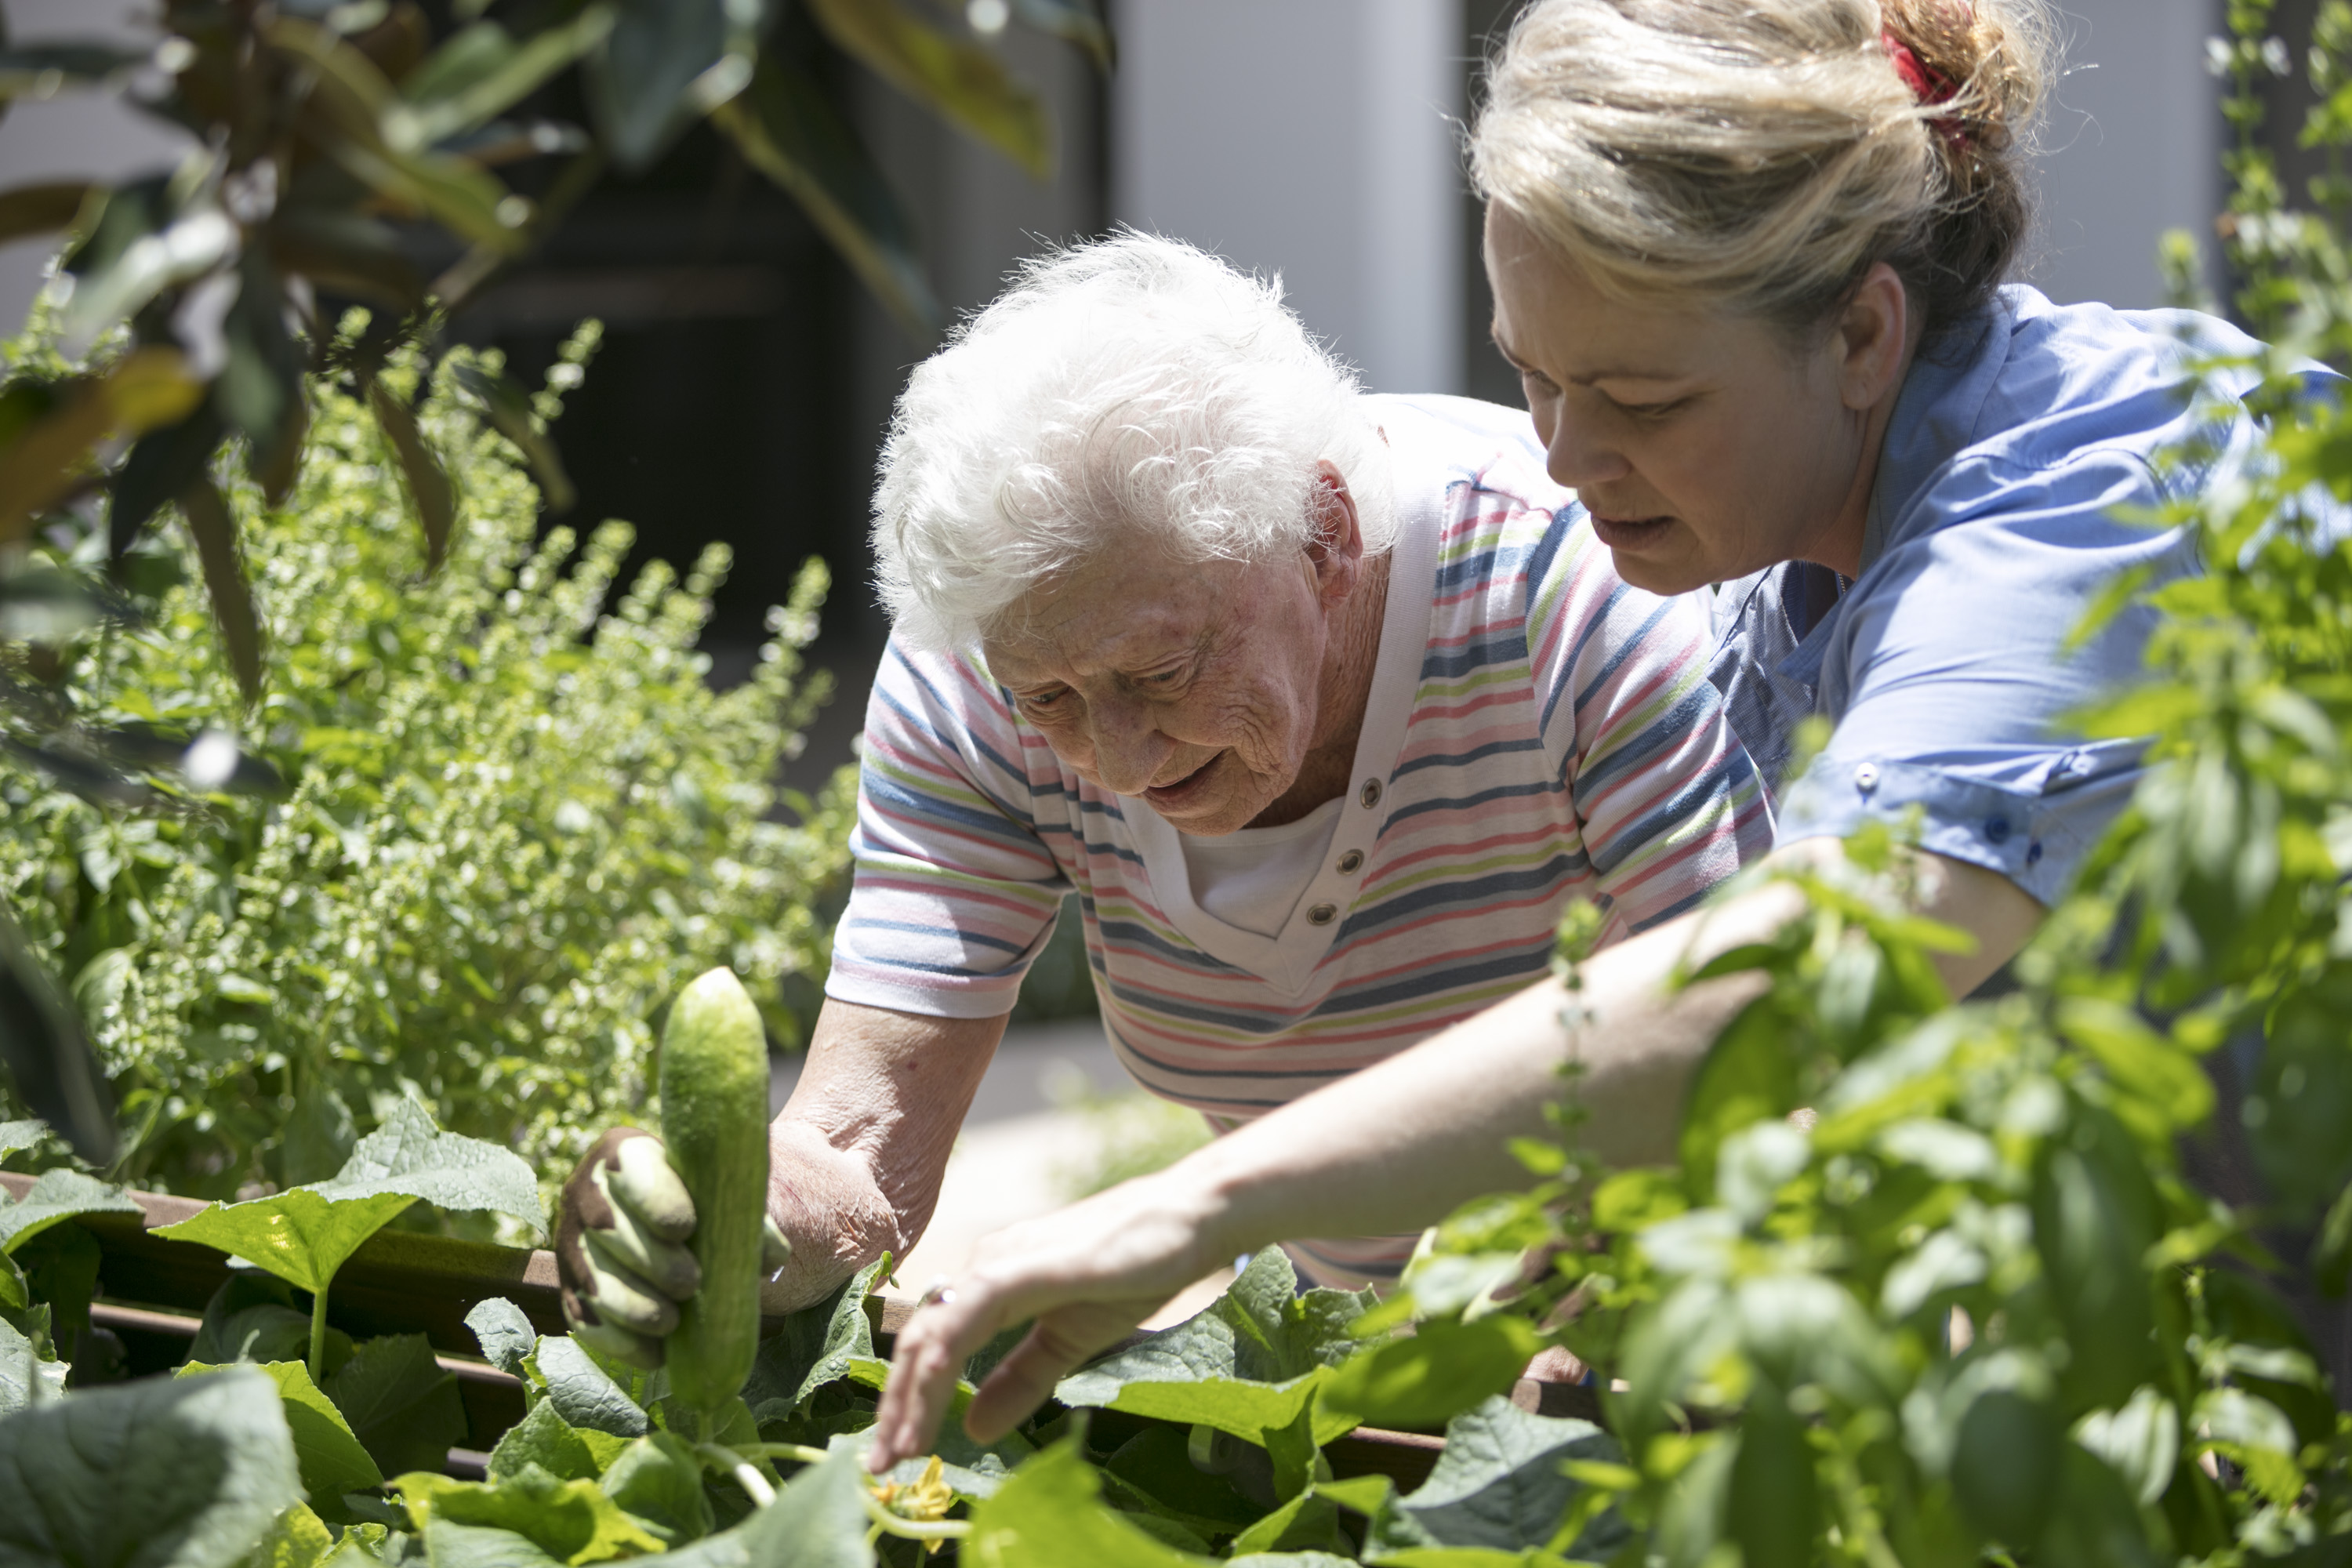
(1134,391)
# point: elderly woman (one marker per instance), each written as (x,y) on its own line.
(1747,257)
(1326,705)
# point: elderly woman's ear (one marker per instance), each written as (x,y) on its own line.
(1336,545)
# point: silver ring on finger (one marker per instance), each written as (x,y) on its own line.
(939,1292)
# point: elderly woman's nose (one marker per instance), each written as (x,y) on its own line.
(1128,747)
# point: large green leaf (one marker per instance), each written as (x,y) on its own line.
(56,1196)
(331,1461)
(213,528)
(572,1522)
(402,1403)
(658,1481)
(156,1473)
(962,82)
(1249,1362)
(305,1233)
(296,1234)
(1051,1515)
(1498,1485)
(407,1153)
(427,483)
(16,1135)
(787,128)
(252,1317)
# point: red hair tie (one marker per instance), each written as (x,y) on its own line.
(1929,86)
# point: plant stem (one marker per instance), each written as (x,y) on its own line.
(726,1462)
(319,1335)
(913,1529)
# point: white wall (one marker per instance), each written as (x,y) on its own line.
(75,136)
(2131,149)
(1315,138)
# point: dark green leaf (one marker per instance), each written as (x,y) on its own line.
(55,1196)
(160,465)
(814,1348)
(213,528)
(584,1392)
(404,1406)
(435,503)
(509,409)
(2093,1522)
(344,252)
(482,70)
(1775,1509)
(1499,1484)
(962,83)
(252,1318)
(259,390)
(61,1265)
(332,1461)
(182,1471)
(505,1333)
(542,1439)
(637,82)
(658,1480)
(2005,1465)
(2094,1221)
(787,129)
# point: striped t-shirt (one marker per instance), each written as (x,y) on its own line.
(1537,732)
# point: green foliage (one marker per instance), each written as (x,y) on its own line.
(516,820)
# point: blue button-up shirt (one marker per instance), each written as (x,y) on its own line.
(2016,441)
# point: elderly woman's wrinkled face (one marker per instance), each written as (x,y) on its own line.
(1198,686)
(1704,445)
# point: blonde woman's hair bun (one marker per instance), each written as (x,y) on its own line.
(1762,156)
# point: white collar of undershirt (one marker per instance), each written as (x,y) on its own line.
(1288,959)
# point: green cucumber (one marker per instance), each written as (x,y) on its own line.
(714,1120)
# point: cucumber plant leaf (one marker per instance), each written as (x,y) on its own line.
(544,1439)
(505,1334)
(187,1471)
(16,1135)
(26,1377)
(658,1481)
(296,1234)
(297,1539)
(814,1348)
(1499,1485)
(482,1546)
(252,1317)
(584,1394)
(402,1404)
(571,1521)
(408,1153)
(331,1460)
(1249,1362)
(55,1196)
(1051,1515)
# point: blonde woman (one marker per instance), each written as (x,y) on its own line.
(1749,257)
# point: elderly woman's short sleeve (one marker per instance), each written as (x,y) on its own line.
(1953,679)
(956,888)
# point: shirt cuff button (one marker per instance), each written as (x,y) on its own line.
(1865,777)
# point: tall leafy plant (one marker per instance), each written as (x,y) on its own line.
(321,130)
(512,817)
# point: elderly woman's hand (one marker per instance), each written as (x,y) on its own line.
(1088,1274)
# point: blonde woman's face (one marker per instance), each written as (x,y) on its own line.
(1704,445)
